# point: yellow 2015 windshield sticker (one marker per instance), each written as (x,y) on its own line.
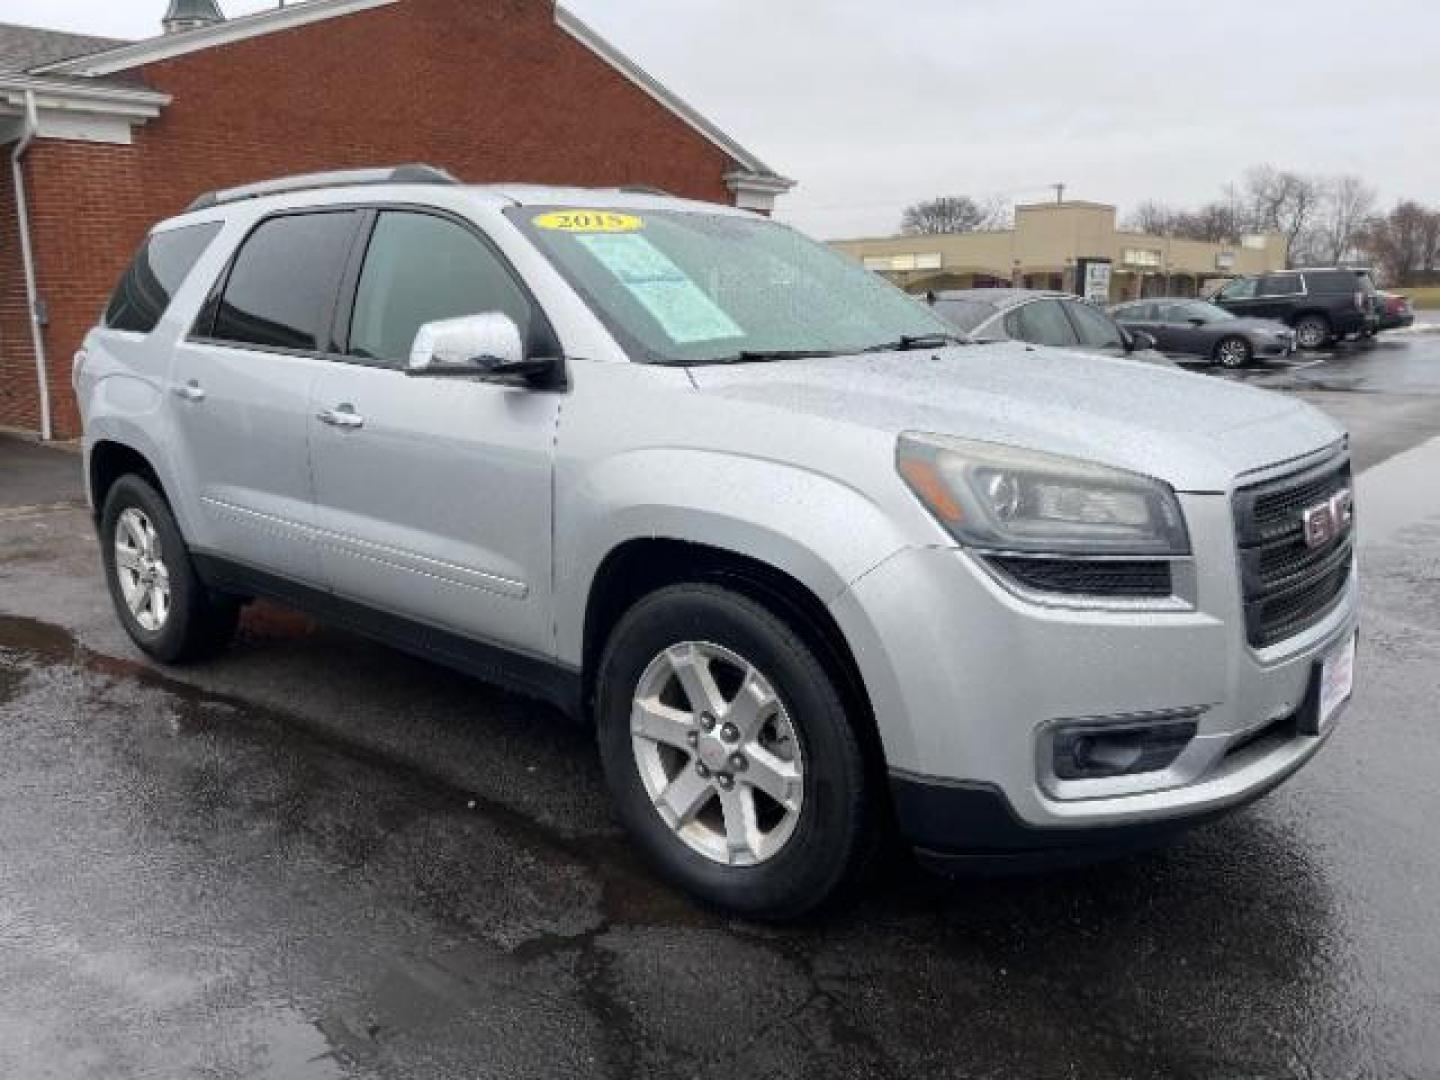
(589,221)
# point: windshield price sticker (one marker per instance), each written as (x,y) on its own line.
(589,221)
(681,307)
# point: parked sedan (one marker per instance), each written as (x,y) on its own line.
(1197,328)
(1395,311)
(1041,318)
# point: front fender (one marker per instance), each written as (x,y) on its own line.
(823,533)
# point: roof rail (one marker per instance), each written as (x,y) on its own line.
(402,174)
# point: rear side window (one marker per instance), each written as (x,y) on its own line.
(1338,281)
(1280,285)
(1042,322)
(157,271)
(1136,313)
(283,281)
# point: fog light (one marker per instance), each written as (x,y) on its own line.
(1094,751)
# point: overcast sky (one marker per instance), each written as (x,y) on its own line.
(872,105)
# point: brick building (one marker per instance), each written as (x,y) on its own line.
(102,138)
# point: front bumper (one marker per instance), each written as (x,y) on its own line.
(967,679)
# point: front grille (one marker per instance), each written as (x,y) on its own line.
(1287,585)
(1090,577)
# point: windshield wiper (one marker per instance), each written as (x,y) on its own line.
(909,342)
(764,356)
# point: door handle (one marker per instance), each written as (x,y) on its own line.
(342,416)
(191,391)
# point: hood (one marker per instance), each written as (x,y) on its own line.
(1194,431)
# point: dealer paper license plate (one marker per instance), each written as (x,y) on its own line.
(1337,680)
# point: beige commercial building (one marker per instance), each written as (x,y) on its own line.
(1052,245)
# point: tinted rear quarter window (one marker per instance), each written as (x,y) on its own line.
(158,270)
(283,281)
(1280,285)
(1338,281)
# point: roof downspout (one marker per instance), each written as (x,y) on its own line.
(27,254)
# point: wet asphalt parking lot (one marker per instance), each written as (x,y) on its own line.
(318,858)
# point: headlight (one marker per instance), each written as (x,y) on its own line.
(1002,498)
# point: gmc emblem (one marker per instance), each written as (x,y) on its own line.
(1330,519)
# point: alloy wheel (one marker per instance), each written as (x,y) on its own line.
(1234,353)
(1311,333)
(718,754)
(140,566)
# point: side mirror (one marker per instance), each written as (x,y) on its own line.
(1142,341)
(485,346)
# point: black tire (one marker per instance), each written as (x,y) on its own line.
(1316,328)
(834,837)
(1233,353)
(199,623)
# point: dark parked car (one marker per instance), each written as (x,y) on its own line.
(1041,318)
(1200,329)
(1320,304)
(1395,311)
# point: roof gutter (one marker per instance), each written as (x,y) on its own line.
(31,127)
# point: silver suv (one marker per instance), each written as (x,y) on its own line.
(812,565)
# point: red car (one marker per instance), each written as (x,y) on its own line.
(1394,310)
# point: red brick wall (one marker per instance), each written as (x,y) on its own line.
(490,89)
(19,404)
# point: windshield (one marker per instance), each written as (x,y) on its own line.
(680,287)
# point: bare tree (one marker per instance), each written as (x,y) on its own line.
(1284,202)
(1214,223)
(1405,242)
(947,214)
(1346,204)
(1152,217)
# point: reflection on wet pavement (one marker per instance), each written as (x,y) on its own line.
(245,891)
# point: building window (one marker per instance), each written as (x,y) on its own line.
(899,264)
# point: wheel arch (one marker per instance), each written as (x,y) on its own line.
(1304,313)
(640,566)
(109,460)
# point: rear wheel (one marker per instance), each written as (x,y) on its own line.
(1233,352)
(162,604)
(1312,332)
(727,747)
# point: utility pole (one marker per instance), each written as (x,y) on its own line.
(1059,192)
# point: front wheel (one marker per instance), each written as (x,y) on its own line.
(162,604)
(1312,332)
(1233,352)
(730,754)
